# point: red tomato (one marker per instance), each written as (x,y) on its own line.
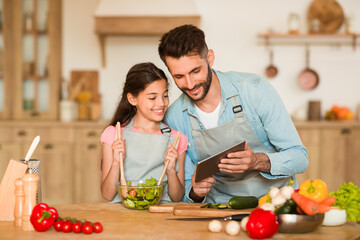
(98,227)
(132,192)
(58,225)
(87,228)
(66,227)
(76,227)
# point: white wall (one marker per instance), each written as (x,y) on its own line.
(231,28)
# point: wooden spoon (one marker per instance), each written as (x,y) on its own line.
(122,175)
(167,162)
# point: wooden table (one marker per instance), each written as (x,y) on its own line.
(121,223)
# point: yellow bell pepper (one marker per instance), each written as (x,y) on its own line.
(264,199)
(314,189)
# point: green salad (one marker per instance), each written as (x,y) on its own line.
(348,198)
(143,195)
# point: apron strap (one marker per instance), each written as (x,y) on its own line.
(237,108)
(193,122)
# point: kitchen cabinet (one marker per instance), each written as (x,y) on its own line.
(30,83)
(334,153)
(87,168)
(70,155)
(5,58)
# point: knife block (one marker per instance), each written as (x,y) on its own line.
(14,170)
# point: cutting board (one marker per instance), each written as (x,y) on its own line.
(193,209)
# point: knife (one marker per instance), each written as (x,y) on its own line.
(236,217)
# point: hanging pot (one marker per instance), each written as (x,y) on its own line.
(271,71)
(308,78)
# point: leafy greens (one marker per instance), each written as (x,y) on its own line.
(348,198)
(147,194)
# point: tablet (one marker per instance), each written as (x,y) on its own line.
(209,166)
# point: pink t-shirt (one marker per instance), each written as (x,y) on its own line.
(108,137)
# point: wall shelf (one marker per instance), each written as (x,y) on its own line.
(310,39)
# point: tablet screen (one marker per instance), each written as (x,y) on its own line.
(209,166)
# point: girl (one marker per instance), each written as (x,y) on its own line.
(148,141)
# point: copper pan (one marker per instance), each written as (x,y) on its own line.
(308,78)
(271,70)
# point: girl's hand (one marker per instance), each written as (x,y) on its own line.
(171,155)
(118,147)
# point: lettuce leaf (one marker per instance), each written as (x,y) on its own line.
(348,198)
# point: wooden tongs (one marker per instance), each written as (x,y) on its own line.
(124,191)
(175,145)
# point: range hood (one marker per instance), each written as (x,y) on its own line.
(142,17)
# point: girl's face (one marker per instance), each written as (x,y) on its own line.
(152,103)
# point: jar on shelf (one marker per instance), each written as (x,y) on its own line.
(293,23)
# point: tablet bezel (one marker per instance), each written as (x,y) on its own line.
(209,166)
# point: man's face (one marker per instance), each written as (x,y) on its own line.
(191,74)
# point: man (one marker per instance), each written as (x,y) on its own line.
(218,110)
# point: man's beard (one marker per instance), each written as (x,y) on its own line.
(205,85)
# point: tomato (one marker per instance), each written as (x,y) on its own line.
(58,225)
(66,227)
(132,192)
(76,227)
(87,228)
(98,227)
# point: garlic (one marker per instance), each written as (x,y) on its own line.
(273,192)
(286,191)
(268,206)
(215,226)
(278,200)
(232,228)
(243,223)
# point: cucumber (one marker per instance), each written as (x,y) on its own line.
(243,202)
(222,206)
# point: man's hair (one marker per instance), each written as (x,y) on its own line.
(185,40)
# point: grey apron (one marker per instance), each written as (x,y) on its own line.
(211,141)
(145,154)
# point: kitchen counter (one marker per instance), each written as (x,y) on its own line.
(122,223)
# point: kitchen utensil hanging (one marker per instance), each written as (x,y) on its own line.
(271,70)
(308,78)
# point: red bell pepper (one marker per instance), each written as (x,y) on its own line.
(262,224)
(43,217)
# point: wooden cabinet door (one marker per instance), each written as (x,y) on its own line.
(87,168)
(88,173)
(333,152)
(352,171)
(56,172)
(310,137)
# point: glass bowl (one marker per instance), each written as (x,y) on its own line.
(296,223)
(141,194)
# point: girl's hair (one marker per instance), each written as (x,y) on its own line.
(137,79)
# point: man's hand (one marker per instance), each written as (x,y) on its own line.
(243,161)
(200,189)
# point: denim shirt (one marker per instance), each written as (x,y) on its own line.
(266,115)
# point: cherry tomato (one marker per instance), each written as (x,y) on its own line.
(98,227)
(66,227)
(76,227)
(87,228)
(132,192)
(58,225)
